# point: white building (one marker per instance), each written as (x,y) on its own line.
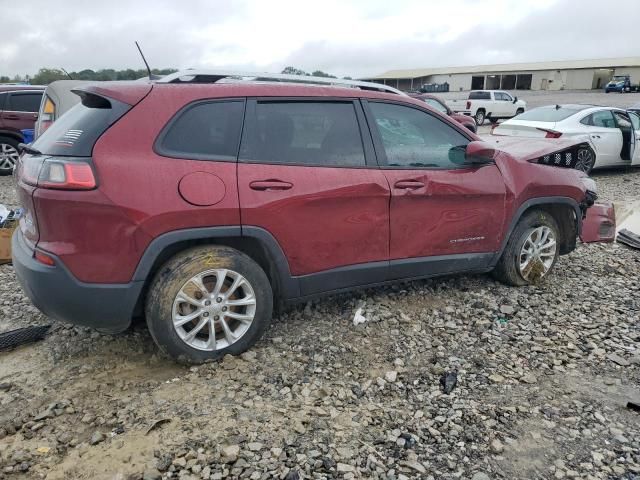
(561,75)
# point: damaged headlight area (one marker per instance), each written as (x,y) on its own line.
(590,198)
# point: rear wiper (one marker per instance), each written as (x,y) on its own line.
(23,147)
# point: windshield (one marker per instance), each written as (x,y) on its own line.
(549,114)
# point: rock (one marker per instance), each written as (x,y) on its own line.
(414,465)
(255,446)
(480,476)
(96,438)
(615,358)
(507,309)
(495,378)
(497,446)
(529,378)
(151,474)
(344,468)
(230,453)
(391,376)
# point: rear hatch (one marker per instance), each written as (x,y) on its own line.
(61,158)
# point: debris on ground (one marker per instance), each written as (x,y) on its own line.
(22,336)
(633,406)
(448,382)
(359,318)
(628,238)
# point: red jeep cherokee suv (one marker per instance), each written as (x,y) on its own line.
(198,204)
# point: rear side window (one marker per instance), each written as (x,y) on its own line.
(204,131)
(24,102)
(479,96)
(304,133)
(3,97)
(76,132)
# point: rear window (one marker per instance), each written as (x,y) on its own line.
(549,114)
(76,132)
(480,96)
(24,102)
(204,131)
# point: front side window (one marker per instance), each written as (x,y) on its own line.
(414,138)
(24,102)
(204,131)
(635,120)
(622,119)
(602,118)
(304,133)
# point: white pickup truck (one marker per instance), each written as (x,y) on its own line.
(491,104)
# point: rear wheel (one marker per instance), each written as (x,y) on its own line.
(8,155)
(531,251)
(479,117)
(207,302)
(586,160)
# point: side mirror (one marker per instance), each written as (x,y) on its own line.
(515,99)
(476,153)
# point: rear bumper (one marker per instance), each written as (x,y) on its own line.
(59,295)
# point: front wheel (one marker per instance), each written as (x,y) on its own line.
(479,117)
(531,251)
(519,111)
(207,302)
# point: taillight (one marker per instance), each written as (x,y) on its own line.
(550,133)
(44,258)
(62,173)
(47,117)
(468,105)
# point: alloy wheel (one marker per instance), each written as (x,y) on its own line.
(214,309)
(537,253)
(585,160)
(8,156)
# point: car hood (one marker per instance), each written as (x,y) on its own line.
(531,150)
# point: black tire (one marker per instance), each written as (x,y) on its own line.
(508,268)
(176,273)
(586,159)
(7,143)
(479,117)
(493,121)
(519,111)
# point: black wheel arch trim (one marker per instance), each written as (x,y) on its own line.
(535,202)
(288,285)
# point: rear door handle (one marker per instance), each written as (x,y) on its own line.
(262,185)
(409,184)
(595,136)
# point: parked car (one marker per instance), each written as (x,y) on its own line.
(438,104)
(613,134)
(18,111)
(491,104)
(58,98)
(622,84)
(200,204)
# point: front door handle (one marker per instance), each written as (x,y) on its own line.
(408,184)
(11,116)
(595,136)
(262,185)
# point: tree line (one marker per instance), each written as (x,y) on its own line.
(47,75)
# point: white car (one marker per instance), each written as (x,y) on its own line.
(491,104)
(612,133)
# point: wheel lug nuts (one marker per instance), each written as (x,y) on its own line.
(207,303)
(219,299)
(216,317)
(224,309)
(205,314)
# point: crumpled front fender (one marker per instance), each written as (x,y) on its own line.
(600,223)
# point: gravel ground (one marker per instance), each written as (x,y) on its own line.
(543,377)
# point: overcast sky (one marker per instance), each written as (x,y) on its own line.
(343,37)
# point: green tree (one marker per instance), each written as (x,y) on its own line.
(294,71)
(320,73)
(47,75)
